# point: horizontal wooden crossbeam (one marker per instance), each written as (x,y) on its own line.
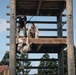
(43,22)
(63,15)
(46,40)
(43,0)
(35,67)
(41,37)
(43,29)
(36,59)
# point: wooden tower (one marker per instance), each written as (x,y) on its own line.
(46,44)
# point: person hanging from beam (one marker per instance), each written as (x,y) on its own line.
(21,25)
(24,47)
(33,31)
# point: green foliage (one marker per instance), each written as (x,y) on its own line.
(75,54)
(5,60)
(52,64)
(21,64)
(65,61)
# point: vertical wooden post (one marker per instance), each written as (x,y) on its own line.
(59,26)
(61,62)
(70,42)
(12,62)
(60,54)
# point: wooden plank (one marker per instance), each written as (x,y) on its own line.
(60,53)
(42,0)
(59,25)
(36,59)
(8,29)
(46,40)
(8,6)
(8,14)
(42,29)
(41,37)
(36,67)
(8,21)
(42,22)
(8,44)
(46,22)
(60,62)
(63,15)
(28,7)
(70,38)
(48,7)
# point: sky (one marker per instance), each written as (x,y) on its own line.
(4,25)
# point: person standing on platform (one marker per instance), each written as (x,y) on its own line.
(21,25)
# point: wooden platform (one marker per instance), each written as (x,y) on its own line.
(46,45)
(40,7)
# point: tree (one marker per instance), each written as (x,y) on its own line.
(65,61)
(22,64)
(75,57)
(52,64)
(5,60)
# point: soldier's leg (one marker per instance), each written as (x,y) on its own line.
(24,32)
(17,33)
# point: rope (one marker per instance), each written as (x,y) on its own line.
(63,24)
(3,16)
(29,20)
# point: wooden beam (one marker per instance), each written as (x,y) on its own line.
(42,29)
(8,14)
(59,26)
(60,62)
(41,37)
(8,44)
(70,38)
(39,6)
(42,8)
(46,22)
(36,59)
(42,22)
(60,53)
(12,55)
(43,0)
(8,6)
(46,40)
(63,15)
(39,47)
(8,29)
(36,67)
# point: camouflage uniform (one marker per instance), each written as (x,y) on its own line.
(32,32)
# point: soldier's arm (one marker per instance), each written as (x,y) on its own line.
(28,32)
(36,33)
(25,19)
